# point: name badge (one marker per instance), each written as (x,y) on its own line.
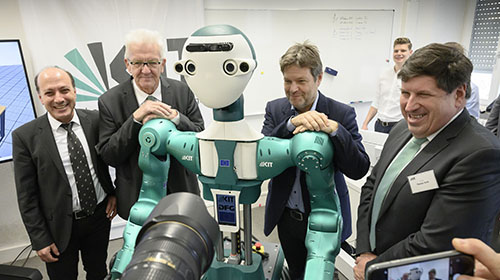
(422,182)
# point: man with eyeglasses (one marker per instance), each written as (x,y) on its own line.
(127,106)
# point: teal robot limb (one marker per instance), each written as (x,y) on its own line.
(324,229)
(312,152)
(153,189)
(154,161)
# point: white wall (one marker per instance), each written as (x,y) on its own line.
(12,232)
(423,21)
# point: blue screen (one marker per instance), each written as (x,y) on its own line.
(226,209)
(16,104)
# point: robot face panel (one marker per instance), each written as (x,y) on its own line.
(217,68)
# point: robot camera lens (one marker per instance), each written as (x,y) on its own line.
(230,67)
(178,68)
(244,67)
(190,67)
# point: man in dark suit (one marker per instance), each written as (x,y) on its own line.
(124,108)
(305,108)
(493,122)
(448,186)
(49,192)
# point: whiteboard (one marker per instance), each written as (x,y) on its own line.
(356,43)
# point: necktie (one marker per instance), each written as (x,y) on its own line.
(152,98)
(390,175)
(84,182)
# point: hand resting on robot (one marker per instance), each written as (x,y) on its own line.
(313,121)
(153,109)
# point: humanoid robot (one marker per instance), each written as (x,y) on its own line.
(232,160)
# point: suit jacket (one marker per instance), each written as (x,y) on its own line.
(119,139)
(43,191)
(350,158)
(493,123)
(464,157)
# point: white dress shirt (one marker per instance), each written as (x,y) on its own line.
(387,96)
(60,136)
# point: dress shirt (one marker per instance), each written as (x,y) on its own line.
(387,96)
(60,137)
(142,96)
(295,200)
(472,104)
(429,139)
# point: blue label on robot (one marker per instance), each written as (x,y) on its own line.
(225,163)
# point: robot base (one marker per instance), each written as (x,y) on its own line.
(261,269)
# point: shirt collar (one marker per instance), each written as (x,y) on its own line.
(55,124)
(313,107)
(141,95)
(433,135)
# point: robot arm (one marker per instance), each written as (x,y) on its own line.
(159,138)
(312,152)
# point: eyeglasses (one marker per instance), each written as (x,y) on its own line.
(140,64)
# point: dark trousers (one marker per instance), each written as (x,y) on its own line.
(384,127)
(90,236)
(292,234)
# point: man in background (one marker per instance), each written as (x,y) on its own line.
(472,104)
(386,102)
(64,190)
(432,274)
(127,106)
(306,109)
(493,122)
(438,175)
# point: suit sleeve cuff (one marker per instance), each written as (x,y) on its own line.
(289,125)
(177,119)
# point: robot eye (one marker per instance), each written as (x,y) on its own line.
(190,67)
(230,67)
(178,68)
(244,67)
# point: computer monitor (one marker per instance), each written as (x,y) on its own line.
(16,102)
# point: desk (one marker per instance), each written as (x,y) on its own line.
(2,122)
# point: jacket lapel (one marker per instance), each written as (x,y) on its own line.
(286,112)
(165,97)
(130,100)
(321,106)
(89,134)
(47,138)
(440,142)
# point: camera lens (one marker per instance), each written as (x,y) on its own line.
(230,67)
(244,67)
(176,242)
(178,68)
(190,67)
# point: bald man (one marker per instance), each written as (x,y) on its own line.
(66,201)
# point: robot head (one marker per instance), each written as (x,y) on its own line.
(217,63)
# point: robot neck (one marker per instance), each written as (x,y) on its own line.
(231,113)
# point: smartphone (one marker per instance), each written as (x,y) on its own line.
(438,266)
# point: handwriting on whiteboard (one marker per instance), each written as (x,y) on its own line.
(352,27)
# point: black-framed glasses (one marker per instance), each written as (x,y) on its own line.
(140,64)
